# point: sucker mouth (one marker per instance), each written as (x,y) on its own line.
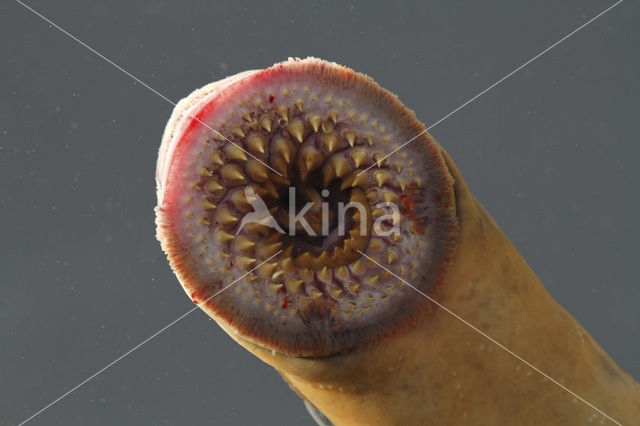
(297,165)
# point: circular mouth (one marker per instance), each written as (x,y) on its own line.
(286,183)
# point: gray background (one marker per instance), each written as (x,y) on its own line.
(552,153)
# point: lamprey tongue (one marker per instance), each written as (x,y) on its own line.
(277,184)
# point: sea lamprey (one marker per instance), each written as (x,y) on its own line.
(362,269)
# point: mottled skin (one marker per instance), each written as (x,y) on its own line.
(440,371)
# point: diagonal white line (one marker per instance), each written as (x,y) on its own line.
(142,82)
(139,344)
(485,335)
(495,84)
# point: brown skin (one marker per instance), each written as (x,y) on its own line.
(442,372)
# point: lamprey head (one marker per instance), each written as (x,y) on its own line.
(279,184)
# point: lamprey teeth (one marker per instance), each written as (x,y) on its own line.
(214,187)
(330,141)
(350,137)
(257,143)
(381,177)
(297,129)
(244,244)
(216,160)
(237,131)
(359,157)
(289,198)
(226,218)
(294,285)
(207,205)
(236,153)
(233,173)
(257,171)
(223,237)
(315,122)
(266,123)
(246,262)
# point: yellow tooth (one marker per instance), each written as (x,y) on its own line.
(369,138)
(266,123)
(324,274)
(311,158)
(232,172)
(275,288)
(223,237)
(244,244)
(257,171)
(403,271)
(357,267)
(239,198)
(246,262)
(315,122)
(346,183)
(359,157)
(375,245)
(398,166)
(382,178)
(328,173)
(418,182)
(246,116)
(306,274)
(298,104)
(380,158)
(216,159)
(327,126)
(391,257)
(372,195)
(315,293)
(283,148)
(390,197)
(271,189)
(360,180)
(287,264)
(297,130)
(208,205)
(267,269)
(341,166)
(305,259)
(237,131)
(335,292)
(283,112)
(218,137)
(214,187)
(402,183)
(350,137)
(277,274)
(374,280)
(354,288)
(204,172)
(257,143)
(330,141)
(333,115)
(226,218)
(329,100)
(342,272)
(294,285)
(203,221)
(236,153)
(397,238)
(377,213)
(270,250)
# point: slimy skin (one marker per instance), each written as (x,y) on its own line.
(348,336)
